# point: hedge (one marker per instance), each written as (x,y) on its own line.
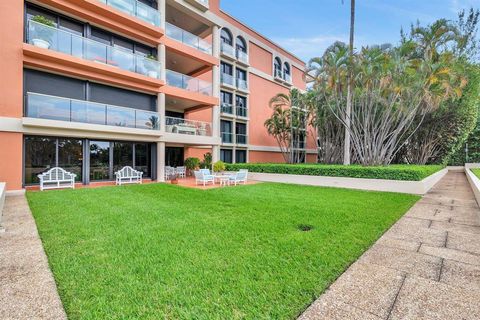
(392,172)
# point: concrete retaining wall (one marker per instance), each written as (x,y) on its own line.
(411,187)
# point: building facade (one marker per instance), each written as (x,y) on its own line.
(94,85)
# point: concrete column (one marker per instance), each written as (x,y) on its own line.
(162,58)
(216,41)
(215,153)
(162,8)
(161,111)
(161,161)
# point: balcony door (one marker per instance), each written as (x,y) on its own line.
(174,156)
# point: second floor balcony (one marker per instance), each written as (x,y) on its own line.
(51,38)
(182,81)
(188,38)
(42,106)
(136,9)
(189,127)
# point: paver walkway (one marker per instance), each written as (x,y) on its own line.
(27,288)
(427,266)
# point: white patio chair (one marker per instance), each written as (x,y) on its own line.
(181,172)
(239,177)
(201,177)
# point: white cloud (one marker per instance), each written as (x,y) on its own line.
(307,48)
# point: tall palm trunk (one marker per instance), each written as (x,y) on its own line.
(348,111)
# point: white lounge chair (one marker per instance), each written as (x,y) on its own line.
(169,173)
(239,177)
(128,175)
(201,176)
(56,178)
(181,172)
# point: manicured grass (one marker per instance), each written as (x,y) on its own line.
(476,172)
(392,172)
(165,252)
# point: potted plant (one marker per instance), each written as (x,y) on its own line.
(150,64)
(219,167)
(42,34)
(191,164)
(174,179)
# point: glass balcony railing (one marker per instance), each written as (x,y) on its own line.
(227,137)
(227,108)
(190,127)
(241,111)
(183,81)
(242,56)
(242,84)
(42,106)
(227,79)
(136,9)
(51,38)
(188,38)
(227,49)
(241,138)
(287,77)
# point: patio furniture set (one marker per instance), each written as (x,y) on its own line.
(203,176)
(177,172)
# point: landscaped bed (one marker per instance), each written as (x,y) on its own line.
(159,251)
(392,172)
(476,172)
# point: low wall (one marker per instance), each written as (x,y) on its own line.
(473,180)
(411,187)
(3,192)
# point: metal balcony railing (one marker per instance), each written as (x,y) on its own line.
(51,38)
(136,9)
(227,137)
(241,111)
(189,127)
(43,106)
(227,108)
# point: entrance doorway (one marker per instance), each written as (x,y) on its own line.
(174,156)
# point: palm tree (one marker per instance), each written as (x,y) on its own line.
(348,111)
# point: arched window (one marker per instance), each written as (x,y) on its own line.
(226,36)
(277,67)
(241,45)
(286,71)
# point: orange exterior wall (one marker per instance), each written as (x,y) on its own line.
(11,147)
(11,42)
(260,58)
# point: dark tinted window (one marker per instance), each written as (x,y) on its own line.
(241,74)
(40,155)
(241,156)
(241,101)
(121,97)
(226,68)
(54,85)
(227,97)
(226,155)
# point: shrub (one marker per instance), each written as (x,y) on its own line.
(392,172)
(207,161)
(44,20)
(192,163)
(219,166)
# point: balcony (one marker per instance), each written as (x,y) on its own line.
(227,108)
(227,79)
(241,138)
(242,84)
(42,106)
(242,56)
(182,81)
(136,9)
(227,137)
(200,4)
(188,127)
(241,112)
(188,38)
(51,38)
(227,49)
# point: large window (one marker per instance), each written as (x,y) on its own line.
(99,160)
(226,68)
(241,74)
(44,153)
(286,71)
(226,37)
(226,155)
(227,132)
(241,106)
(277,65)
(241,45)
(240,156)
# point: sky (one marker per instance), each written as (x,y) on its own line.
(307,27)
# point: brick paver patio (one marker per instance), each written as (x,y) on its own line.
(427,266)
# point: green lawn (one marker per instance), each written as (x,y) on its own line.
(476,172)
(160,251)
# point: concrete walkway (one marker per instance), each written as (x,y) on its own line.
(27,288)
(427,266)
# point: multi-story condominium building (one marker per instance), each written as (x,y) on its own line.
(94,85)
